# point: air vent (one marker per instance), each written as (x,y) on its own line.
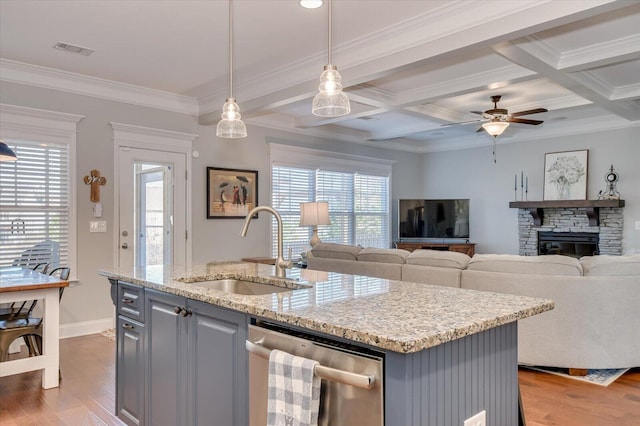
(84,51)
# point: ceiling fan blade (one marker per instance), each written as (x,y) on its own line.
(530,111)
(460,122)
(476,112)
(481,129)
(524,121)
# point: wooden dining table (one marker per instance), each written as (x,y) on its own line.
(18,284)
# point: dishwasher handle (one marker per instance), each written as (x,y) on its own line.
(345,377)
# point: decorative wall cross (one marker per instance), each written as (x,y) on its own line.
(96,181)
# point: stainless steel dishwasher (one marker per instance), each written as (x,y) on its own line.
(352,387)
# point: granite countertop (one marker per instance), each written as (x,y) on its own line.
(398,316)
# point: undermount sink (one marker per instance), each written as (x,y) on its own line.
(244,287)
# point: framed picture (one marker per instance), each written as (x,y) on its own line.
(565,175)
(231,193)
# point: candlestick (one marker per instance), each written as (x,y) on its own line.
(515,185)
(526,189)
(522,179)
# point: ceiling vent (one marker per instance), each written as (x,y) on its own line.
(84,51)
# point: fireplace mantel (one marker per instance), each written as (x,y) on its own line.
(536,208)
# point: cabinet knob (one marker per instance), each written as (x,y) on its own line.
(127,301)
(177,310)
(185,313)
(127,326)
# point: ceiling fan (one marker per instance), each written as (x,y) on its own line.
(499,118)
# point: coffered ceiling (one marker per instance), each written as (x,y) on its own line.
(412,69)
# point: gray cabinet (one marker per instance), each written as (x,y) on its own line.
(130,357)
(217,360)
(196,362)
(179,361)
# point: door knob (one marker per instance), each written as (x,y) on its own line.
(125,246)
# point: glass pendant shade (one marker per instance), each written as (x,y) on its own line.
(6,154)
(495,127)
(330,101)
(231,126)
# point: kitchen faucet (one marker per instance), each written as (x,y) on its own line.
(281,264)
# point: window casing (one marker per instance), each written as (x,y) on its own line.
(37,192)
(356,188)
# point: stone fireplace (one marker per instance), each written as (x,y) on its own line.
(604,223)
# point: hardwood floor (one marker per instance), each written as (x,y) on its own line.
(86,395)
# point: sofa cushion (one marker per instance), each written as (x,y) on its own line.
(379,255)
(553,264)
(336,251)
(440,258)
(611,265)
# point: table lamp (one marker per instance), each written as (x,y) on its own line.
(314,214)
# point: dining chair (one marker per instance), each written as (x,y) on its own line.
(24,308)
(30,329)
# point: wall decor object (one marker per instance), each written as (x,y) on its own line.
(565,175)
(96,181)
(231,193)
(611,193)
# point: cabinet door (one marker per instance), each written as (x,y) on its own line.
(166,359)
(217,366)
(130,371)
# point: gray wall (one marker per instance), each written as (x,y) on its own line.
(471,173)
(211,239)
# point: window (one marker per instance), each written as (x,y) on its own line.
(356,188)
(37,218)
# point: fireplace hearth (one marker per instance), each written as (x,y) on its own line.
(574,244)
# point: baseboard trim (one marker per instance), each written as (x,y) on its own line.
(86,327)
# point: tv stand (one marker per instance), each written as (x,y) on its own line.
(467,248)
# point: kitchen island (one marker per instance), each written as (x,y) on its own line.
(448,353)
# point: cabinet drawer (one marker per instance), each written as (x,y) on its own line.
(131,301)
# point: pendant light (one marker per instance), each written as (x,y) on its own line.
(231,125)
(6,153)
(330,101)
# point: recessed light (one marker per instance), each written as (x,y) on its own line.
(310,4)
(73,48)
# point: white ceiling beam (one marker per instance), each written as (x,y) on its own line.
(581,85)
(462,24)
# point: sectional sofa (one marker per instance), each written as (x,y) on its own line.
(596,320)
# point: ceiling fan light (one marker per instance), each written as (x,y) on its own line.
(6,153)
(231,126)
(330,101)
(310,4)
(495,127)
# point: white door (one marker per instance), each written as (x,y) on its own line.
(152,207)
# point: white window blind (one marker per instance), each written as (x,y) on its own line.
(35,205)
(358,206)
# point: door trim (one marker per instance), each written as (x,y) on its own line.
(131,136)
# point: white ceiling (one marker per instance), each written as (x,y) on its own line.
(410,68)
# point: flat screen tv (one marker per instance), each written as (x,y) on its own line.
(422,219)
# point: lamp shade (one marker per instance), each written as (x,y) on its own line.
(6,154)
(314,214)
(231,126)
(495,127)
(330,101)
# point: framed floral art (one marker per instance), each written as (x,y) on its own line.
(565,175)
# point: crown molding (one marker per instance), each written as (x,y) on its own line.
(627,92)
(50,78)
(600,53)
